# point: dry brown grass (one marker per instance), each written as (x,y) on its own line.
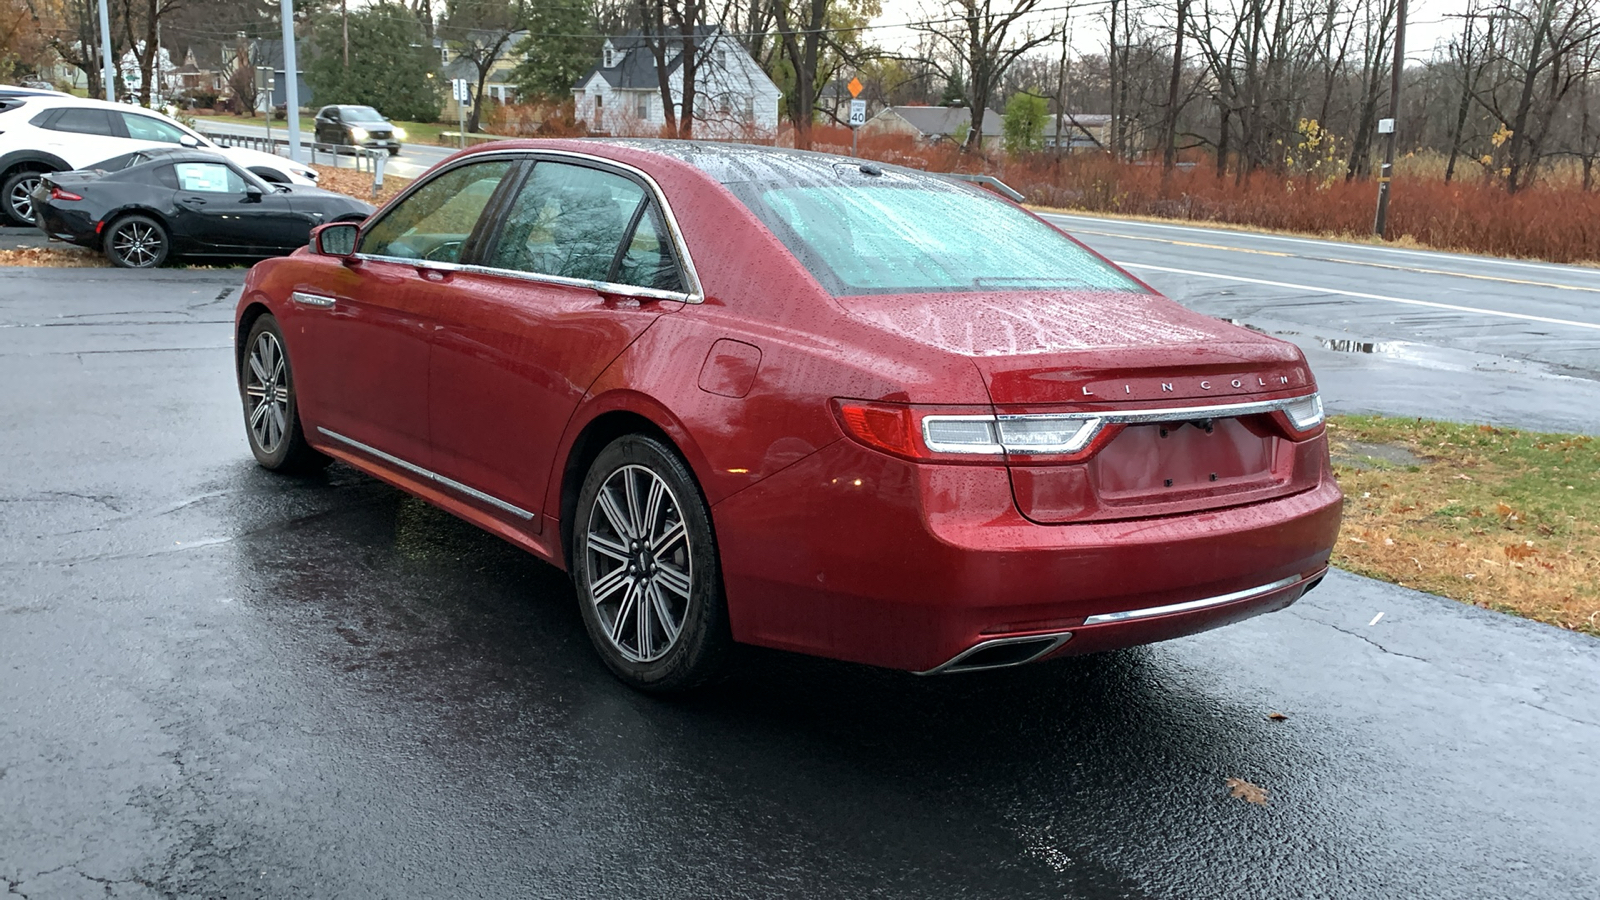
(359,184)
(1500,518)
(56,257)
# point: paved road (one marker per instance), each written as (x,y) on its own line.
(1386,329)
(414,159)
(219,682)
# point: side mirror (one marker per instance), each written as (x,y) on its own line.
(252,194)
(335,239)
(188,141)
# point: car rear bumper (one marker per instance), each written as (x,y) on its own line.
(854,555)
(58,224)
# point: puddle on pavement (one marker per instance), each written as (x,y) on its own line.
(1444,359)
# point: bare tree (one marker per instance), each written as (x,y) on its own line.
(984,44)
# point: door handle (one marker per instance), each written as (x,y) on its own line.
(191,202)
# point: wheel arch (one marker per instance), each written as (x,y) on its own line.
(252,311)
(616,418)
(31,160)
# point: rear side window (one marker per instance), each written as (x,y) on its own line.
(908,235)
(647,259)
(436,220)
(567,221)
(83,121)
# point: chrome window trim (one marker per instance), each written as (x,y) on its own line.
(1204,603)
(695,294)
(428,474)
(1105,417)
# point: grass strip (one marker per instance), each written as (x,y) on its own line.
(1500,518)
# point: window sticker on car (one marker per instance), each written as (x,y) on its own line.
(206,178)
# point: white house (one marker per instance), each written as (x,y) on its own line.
(734,98)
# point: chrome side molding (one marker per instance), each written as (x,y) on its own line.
(1205,602)
(427,474)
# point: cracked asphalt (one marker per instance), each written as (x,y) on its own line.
(217,682)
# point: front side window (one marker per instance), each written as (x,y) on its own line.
(436,220)
(902,235)
(144,128)
(207,178)
(567,221)
(84,121)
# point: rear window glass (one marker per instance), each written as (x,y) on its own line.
(914,235)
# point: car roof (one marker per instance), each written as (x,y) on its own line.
(19,91)
(728,163)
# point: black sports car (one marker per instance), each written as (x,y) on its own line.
(145,206)
(361,126)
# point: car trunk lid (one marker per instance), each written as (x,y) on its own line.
(1186,402)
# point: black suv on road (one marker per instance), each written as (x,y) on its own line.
(360,126)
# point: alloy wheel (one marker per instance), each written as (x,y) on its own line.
(267,393)
(137,244)
(21,199)
(640,568)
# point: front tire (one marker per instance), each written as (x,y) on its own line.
(137,242)
(646,570)
(271,407)
(16,197)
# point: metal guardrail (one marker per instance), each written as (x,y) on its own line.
(1000,187)
(361,158)
(460,137)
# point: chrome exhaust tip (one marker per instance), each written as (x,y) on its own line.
(1001,653)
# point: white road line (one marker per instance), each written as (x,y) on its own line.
(1326,290)
(1430,254)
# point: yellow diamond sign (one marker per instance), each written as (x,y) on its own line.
(855,87)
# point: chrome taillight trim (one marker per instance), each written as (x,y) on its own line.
(1101,418)
(1204,603)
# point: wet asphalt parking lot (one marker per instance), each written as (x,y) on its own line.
(217,682)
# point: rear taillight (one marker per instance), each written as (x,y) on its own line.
(954,434)
(1305,413)
(58,194)
(943,434)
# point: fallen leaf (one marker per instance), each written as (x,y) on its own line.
(1277,716)
(1244,790)
(1519,551)
(1354,540)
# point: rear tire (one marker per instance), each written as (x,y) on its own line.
(646,570)
(137,242)
(271,406)
(16,197)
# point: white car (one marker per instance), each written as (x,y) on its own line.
(55,133)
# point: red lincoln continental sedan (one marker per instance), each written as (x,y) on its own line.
(752,395)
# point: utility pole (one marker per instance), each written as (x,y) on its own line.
(105,52)
(291,82)
(344,13)
(1386,175)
